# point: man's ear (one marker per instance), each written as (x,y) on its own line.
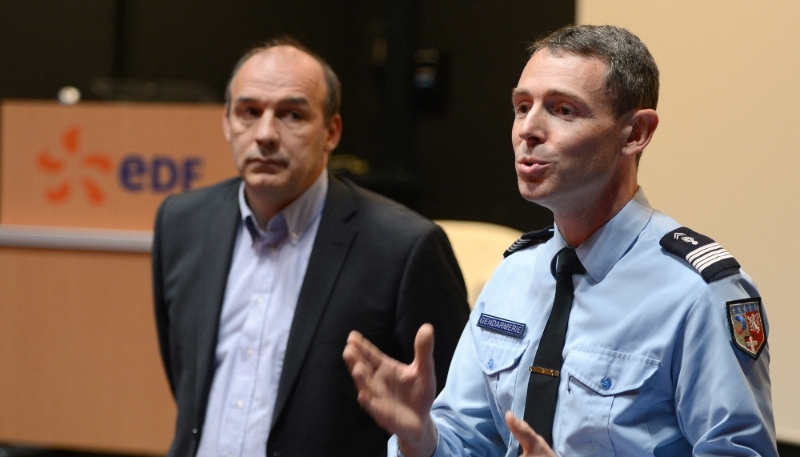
(226,124)
(334,133)
(639,131)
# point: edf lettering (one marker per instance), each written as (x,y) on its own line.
(160,174)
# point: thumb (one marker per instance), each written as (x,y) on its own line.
(530,443)
(423,347)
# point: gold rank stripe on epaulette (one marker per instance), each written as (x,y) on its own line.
(710,259)
(530,239)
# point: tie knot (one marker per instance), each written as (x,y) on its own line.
(567,262)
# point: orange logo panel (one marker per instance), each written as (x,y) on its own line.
(104,165)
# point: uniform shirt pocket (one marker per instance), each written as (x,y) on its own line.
(602,385)
(499,356)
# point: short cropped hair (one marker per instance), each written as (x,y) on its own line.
(333,97)
(632,78)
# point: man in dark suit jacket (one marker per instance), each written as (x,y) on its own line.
(370,265)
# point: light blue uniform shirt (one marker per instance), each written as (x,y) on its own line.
(264,283)
(649,367)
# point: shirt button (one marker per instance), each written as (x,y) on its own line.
(490,364)
(250,352)
(261,299)
(239,404)
(229,455)
(605,383)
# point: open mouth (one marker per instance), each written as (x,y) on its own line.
(529,166)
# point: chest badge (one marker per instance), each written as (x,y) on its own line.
(747,325)
(503,326)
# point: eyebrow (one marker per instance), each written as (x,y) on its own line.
(287,100)
(517,91)
(295,101)
(244,100)
(554,92)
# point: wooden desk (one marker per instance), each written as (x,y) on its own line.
(79,363)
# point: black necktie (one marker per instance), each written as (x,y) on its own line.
(540,405)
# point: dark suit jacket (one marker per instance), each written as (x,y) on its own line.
(375,267)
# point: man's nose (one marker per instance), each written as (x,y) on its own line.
(267,134)
(533,127)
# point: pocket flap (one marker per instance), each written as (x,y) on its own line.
(609,372)
(497,353)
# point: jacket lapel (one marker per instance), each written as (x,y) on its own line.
(220,235)
(331,246)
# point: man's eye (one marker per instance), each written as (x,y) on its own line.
(295,115)
(522,108)
(564,110)
(248,113)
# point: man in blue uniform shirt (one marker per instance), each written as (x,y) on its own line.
(617,332)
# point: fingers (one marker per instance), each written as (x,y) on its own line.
(352,350)
(423,348)
(361,349)
(397,396)
(521,430)
(362,359)
(373,373)
(532,444)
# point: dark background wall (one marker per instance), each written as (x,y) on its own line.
(463,155)
(444,150)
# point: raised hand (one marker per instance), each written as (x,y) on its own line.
(532,444)
(397,396)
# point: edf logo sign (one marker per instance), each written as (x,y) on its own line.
(159,174)
(105,165)
(135,172)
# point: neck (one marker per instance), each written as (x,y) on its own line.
(264,204)
(577,224)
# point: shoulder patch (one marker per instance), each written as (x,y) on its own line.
(530,239)
(747,325)
(704,254)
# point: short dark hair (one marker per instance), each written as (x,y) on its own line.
(632,78)
(333,97)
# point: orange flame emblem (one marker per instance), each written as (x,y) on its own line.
(55,164)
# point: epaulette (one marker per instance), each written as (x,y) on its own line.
(530,239)
(704,254)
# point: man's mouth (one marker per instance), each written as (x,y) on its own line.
(266,162)
(530,167)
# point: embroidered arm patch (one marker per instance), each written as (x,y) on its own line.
(704,254)
(747,325)
(530,239)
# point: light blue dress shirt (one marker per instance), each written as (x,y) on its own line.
(263,285)
(649,367)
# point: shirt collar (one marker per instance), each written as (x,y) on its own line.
(294,219)
(606,246)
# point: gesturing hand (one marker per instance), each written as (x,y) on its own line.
(532,444)
(397,396)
